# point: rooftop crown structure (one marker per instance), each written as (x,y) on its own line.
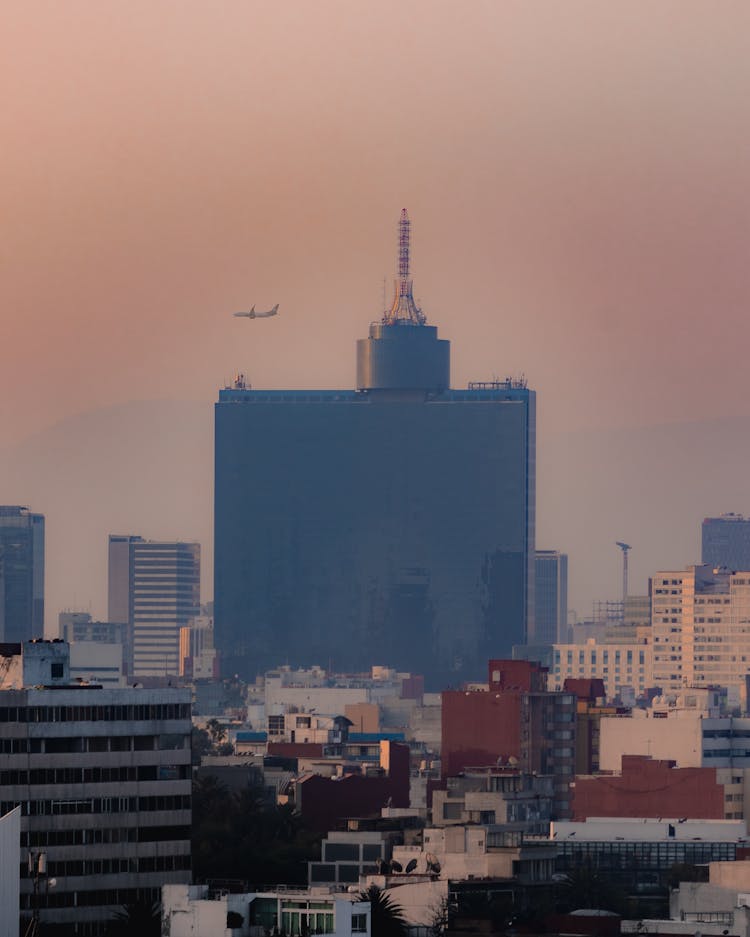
(389,524)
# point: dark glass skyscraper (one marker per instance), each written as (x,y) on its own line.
(21,574)
(389,524)
(725,541)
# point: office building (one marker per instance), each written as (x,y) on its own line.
(21,574)
(389,524)
(701,629)
(626,670)
(551,597)
(103,777)
(725,541)
(154,587)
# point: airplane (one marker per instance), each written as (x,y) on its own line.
(259,315)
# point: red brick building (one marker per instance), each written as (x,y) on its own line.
(514,718)
(650,788)
(323,802)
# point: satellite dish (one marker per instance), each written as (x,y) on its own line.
(396,866)
(513,761)
(411,865)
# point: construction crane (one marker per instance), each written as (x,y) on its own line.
(624,547)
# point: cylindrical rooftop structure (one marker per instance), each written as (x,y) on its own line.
(403,357)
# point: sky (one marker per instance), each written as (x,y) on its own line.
(577,175)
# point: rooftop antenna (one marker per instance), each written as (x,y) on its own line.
(404,310)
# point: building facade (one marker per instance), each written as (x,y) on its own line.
(21,574)
(701,629)
(551,597)
(103,779)
(513,721)
(393,523)
(154,587)
(621,667)
(725,542)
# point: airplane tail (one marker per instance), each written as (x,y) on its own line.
(275,309)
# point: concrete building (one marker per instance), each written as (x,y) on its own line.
(350,854)
(99,649)
(701,629)
(463,852)
(621,667)
(103,779)
(725,542)
(500,797)
(646,787)
(338,512)
(196,911)
(685,728)
(21,574)
(512,720)
(10,867)
(551,597)
(154,587)
(198,657)
(722,903)
(639,855)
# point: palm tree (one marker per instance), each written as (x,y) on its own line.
(139,918)
(387,918)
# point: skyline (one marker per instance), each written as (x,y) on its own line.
(578,184)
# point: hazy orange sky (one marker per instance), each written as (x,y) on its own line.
(577,174)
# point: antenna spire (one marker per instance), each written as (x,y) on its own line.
(404,310)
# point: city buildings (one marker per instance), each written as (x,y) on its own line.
(100,651)
(684,728)
(701,629)
(103,778)
(392,522)
(647,787)
(154,587)
(21,574)
(624,669)
(551,602)
(725,542)
(514,720)
(196,911)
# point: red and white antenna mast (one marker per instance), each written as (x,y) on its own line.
(404,311)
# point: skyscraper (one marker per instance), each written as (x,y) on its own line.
(725,541)
(154,587)
(393,523)
(551,604)
(21,574)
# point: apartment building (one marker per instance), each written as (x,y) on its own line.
(103,780)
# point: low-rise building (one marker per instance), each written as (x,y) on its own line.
(689,736)
(657,788)
(197,911)
(500,796)
(463,852)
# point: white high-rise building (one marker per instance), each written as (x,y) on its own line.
(154,586)
(701,629)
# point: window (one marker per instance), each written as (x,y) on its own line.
(359,923)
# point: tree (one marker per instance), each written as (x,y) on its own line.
(387,918)
(139,918)
(217,733)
